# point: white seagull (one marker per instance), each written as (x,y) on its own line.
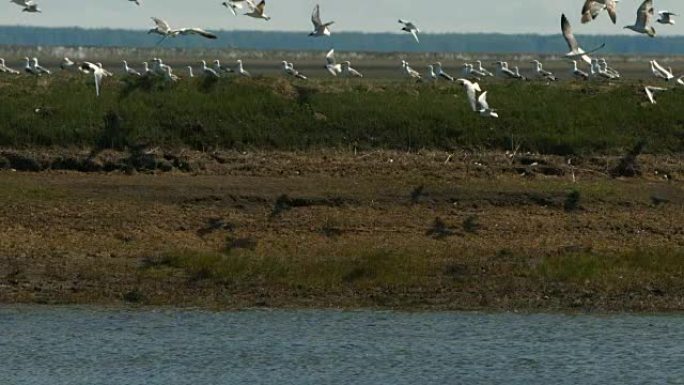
(440,72)
(431,75)
(410,28)
(4,68)
(578,73)
(38,68)
(349,72)
(575,50)
(66,64)
(220,69)
(541,72)
(289,69)
(592,8)
(130,71)
(651,91)
(257,11)
(164,29)
(482,69)
(330,65)
(643,19)
(666,17)
(320,28)
(209,72)
(233,5)
(471,90)
(98,74)
(484,109)
(241,71)
(410,72)
(503,70)
(191,74)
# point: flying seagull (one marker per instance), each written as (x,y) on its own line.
(233,5)
(331,65)
(410,28)
(32,8)
(484,109)
(592,8)
(98,74)
(471,90)
(137,2)
(651,91)
(164,29)
(320,28)
(257,11)
(666,17)
(575,50)
(643,19)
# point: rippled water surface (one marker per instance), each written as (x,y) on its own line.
(46,345)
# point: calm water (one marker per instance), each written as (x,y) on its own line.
(45,345)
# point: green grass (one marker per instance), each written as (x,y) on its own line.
(274,113)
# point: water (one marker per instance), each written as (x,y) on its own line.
(47,345)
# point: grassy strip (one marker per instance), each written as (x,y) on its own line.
(271,113)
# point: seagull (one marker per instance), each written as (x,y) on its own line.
(592,8)
(29,68)
(38,68)
(578,73)
(440,72)
(597,71)
(541,72)
(289,69)
(471,91)
(66,64)
(165,30)
(209,72)
(105,72)
(169,76)
(233,5)
(349,72)
(666,17)
(482,69)
(665,74)
(518,75)
(137,2)
(190,73)
(130,71)
(146,70)
(220,68)
(575,50)
(257,10)
(4,68)
(32,8)
(410,28)
(644,16)
(613,72)
(22,3)
(320,29)
(503,70)
(98,74)
(330,64)
(431,75)
(410,72)
(651,91)
(241,71)
(485,110)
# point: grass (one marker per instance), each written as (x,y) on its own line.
(274,113)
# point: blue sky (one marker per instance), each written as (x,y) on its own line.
(503,16)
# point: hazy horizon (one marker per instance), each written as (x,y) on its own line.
(349,16)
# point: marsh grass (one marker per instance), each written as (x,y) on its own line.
(274,113)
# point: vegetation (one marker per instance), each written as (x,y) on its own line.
(275,113)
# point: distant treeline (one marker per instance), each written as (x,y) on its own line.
(348,41)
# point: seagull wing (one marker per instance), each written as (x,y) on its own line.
(330,57)
(591,10)
(645,13)
(568,35)
(611,7)
(316,16)
(261,7)
(162,25)
(482,100)
(415,35)
(197,31)
(98,79)
(662,70)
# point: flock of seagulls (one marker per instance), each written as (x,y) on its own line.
(472,73)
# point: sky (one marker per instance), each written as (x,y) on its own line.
(440,16)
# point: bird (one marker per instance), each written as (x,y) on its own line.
(4,68)
(482,69)
(38,68)
(32,8)
(411,28)
(604,67)
(518,75)
(598,71)
(137,2)
(105,72)
(169,76)
(471,90)
(350,72)
(320,28)
(575,50)
(209,72)
(130,71)
(592,8)
(191,74)
(220,69)
(233,5)
(257,11)
(431,75)
(666,17)
(578,73)
(541,72)
(440,72)
(98,74)
(503,70)
(289,69)
(485,110)
(66,64)
(651,91)
(331,65)
(666,74)
(643,19)
(164,29)
(410,72)
(22,3)
(28,67)
(146,70)
(241,71)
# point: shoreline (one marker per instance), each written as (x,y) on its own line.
(385,230)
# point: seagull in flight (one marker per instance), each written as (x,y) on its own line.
(233,5)
(643,19)
(592,8)
(32,8)
(666,17)
(575,50)
(485,110)
(137,2)
(651,91)
(320,28)
(257,11)
(164,29)
(471,89)
(98,74)
(331,65)
(410,28)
